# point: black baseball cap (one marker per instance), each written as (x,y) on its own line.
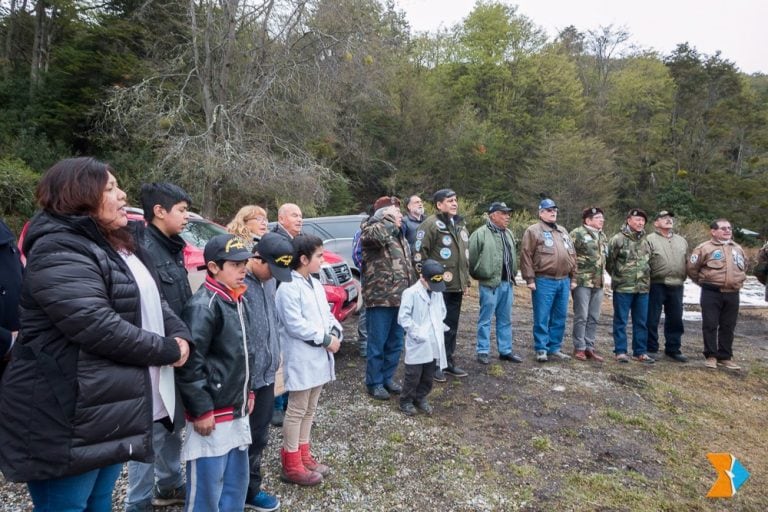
(278,253)
(433,271)
(442,195)
(499,207)
(226,248)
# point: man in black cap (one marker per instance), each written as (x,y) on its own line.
(668,257)
(444,237)
(492,263)
(627,264)
(272,259)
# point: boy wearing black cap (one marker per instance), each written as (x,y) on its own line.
(421,315)
(216,383)
(272,259)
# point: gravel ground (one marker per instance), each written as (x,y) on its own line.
(509,437)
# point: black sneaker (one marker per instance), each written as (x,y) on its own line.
(278,415)
(456,371)
(378,392)
(424,406)
(439,376)
(514,358)
(680,358)
(408,409)
(170,497)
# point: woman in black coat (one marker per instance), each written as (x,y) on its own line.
(76,398)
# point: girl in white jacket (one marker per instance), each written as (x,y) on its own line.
(309,335)
(422,311)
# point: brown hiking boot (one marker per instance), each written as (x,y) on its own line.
(294,471)
(580,355)
(591,354)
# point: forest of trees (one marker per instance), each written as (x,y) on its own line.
(332,103)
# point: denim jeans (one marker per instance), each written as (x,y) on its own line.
(259,422)
(623,305)
(550,308)
(166,468)
(495,301)
(586,314)
(91,491)
(385,342)
(217,484)
(670,298)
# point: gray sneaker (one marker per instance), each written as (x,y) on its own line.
(541,356)
(483,359)
(559,355)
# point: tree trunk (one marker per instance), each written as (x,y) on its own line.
(38,46)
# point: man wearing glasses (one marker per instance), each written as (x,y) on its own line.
(718,267)
(547,263)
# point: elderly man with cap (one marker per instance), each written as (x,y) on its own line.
(630,281)
(667,257)
(414,216)
(492,263)
(718,266)
(272,261)
(388,272)
(591,246)
(548,263)
(444,237)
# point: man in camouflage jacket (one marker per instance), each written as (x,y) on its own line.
(388,272)
(591,247)
(627,264)
(444,237)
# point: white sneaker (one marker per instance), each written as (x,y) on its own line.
(541,356)
(560,355)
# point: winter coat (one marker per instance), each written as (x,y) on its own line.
(388,269)
(264,335)
(305,323)
(721,265)
(217,377)
(410,227)
(627,262)
(167,254)
(667,258)
(447,243)
(486,256)
(591,248)
(546,252)
(421,316)
(11,272)
(77,395)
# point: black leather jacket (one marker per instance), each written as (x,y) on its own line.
(168,257)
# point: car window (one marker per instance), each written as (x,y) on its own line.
(197,233)
(309,228)
(335,227)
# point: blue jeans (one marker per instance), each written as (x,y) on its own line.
(496,301)
(550,308)
(90,491)
(166,468)
(217,484)
(670,298)
(385,342)
(623,304)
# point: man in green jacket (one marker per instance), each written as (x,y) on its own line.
(667,252)
(492,263)
(627,264)
(444,237)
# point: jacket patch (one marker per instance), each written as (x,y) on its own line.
(445,253)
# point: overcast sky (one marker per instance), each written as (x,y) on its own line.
(738,28)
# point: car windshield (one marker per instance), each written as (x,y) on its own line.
(198,232)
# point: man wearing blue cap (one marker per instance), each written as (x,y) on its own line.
(548,264)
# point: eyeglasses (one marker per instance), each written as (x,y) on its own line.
(725,228)
(549,210)
(257,219)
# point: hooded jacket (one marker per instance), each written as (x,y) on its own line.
(77,394)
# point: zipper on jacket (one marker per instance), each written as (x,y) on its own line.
(247,363)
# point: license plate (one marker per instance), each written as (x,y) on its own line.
(351,293)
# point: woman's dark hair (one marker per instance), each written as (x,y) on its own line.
(304,245)
(75,186)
